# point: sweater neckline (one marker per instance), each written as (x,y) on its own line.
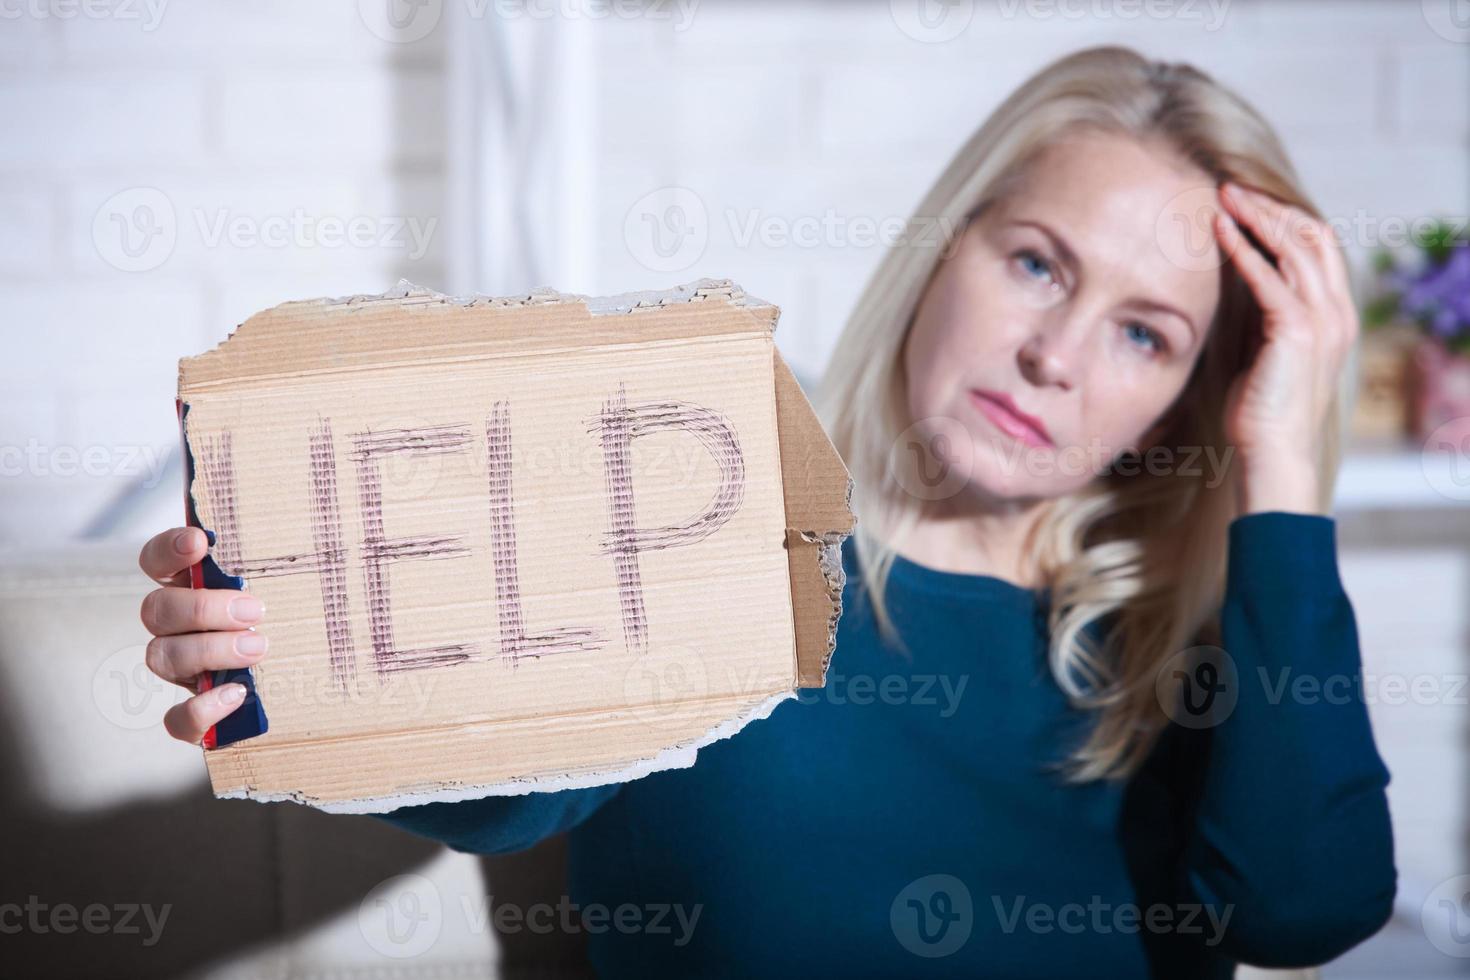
(964,584)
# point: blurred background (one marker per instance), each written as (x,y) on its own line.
(171,168)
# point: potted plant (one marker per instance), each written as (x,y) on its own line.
(1423,305)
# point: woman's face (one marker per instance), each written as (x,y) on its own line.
(1082,299)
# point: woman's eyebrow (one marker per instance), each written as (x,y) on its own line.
(1152,304)
(1069,258)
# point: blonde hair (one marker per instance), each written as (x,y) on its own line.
(1141,555)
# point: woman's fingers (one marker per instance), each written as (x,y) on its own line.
(1290,233)
(189,720)
(171,610)
(1334,263)
(170,553)
(179,659)
(1270,290)
(195,630)
(1340,287)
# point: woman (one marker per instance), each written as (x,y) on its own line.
(1093,437)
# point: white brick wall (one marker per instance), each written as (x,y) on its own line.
(790,110)
(243,117)
(785,114)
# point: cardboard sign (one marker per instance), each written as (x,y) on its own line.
(510,544)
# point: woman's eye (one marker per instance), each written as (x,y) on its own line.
(1033,263)
(1145,336)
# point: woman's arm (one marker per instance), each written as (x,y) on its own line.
(501,824)
(1292,830)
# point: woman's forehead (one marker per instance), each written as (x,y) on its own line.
(1127,210)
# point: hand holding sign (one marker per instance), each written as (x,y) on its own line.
(473,635)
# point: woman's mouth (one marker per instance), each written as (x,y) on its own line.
(1004,415)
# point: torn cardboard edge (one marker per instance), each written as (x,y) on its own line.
(817,519)
(674,757)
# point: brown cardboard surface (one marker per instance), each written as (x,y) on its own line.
(514,543)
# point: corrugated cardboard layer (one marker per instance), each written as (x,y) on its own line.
(364,462)
(475,763)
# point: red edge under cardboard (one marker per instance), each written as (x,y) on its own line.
(204,681)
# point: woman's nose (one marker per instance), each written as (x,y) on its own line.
(1055,351)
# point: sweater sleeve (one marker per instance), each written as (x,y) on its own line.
(501,824)
(1292,831)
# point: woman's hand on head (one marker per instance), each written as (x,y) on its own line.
(195,631)
(1277,409)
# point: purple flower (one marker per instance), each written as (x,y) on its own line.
(1440,293)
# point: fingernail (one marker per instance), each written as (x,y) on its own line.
(232,694)
(184,541)
(246,609)
(250,644)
